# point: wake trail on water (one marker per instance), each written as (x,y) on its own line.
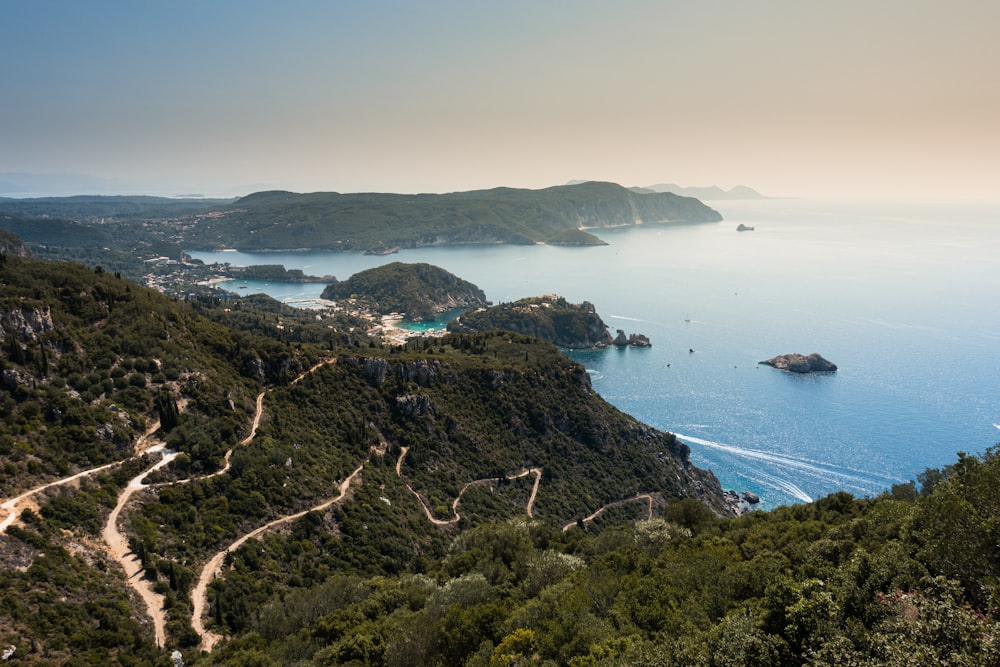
(630,319)
(784,485)
(858,480)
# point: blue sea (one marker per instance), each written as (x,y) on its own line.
(903,297)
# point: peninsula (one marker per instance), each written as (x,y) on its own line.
(418,291)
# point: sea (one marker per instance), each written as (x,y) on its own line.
(903,296)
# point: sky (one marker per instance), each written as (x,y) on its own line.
(854,98)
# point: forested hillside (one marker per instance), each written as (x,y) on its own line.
(381,221)
(906,579)
(420,291)
(549,317)
(142,435)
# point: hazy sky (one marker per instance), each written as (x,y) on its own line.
(791,97)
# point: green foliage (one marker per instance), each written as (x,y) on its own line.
(378,222)
(550,318)
(418,290)
(907,578)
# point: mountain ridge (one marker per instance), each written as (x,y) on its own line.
(282,220)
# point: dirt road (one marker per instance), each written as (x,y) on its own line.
(199,595)
(117,545)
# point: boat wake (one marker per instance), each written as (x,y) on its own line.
(861,481)
(630,319)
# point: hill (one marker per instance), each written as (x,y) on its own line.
(708,193)
(420,291)
(550,317)
(376,222)
(106,208)
(45,230)
(130,437)
(840,581)
(467,500)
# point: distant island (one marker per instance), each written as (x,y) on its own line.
(549,317)
(706,193)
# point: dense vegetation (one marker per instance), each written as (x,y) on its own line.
(89,361)
(551,318)
(904,579)
(420,291)
(109,210)
(44,230)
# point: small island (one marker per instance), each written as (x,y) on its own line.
(800,363)
(634,340)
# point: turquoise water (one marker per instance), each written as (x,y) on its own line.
(902,297)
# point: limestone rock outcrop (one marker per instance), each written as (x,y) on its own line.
(634,340)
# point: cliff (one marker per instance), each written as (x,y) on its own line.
(11,244)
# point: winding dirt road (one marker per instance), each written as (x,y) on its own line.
(529,507)
(639,496)
(14,506)
(117,545)
(199,595)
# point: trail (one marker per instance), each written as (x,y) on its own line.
(117,545)
(14,506)
(227,463)
(639,496)
(199,595)
(214,565)
(529,507)
(314,368)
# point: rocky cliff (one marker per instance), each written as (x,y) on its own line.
(549,317)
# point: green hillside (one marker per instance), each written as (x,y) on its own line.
(908,578)
(551,318)
(462,431)
(420,291)
(48,230)
(467,500)
(377,221)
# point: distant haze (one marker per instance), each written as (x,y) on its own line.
(887,99)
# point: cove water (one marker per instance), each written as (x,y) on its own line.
(903,297)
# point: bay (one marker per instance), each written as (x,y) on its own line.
(902,296)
